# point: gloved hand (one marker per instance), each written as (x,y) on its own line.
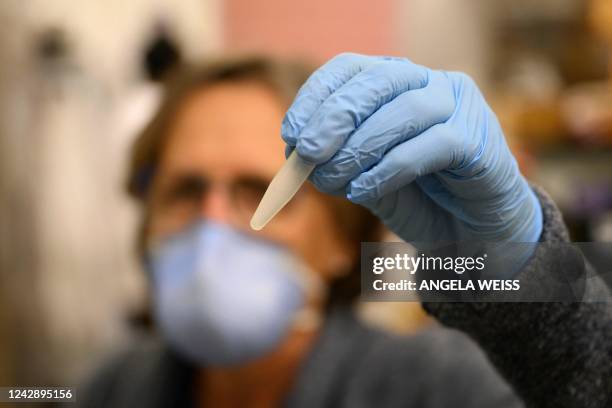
(420,148)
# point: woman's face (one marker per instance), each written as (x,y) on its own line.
(223,148)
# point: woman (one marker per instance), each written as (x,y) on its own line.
(264,319)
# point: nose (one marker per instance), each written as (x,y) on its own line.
(216,204)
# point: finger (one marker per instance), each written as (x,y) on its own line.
(403,118)
(288,150)
(412,215)
(427,153)
(319,86)
(348,107)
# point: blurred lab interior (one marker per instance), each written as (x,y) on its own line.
(78,81)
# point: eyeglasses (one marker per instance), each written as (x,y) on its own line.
(183,197)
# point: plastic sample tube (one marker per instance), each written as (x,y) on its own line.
(281,190)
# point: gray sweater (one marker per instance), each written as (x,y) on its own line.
(486,355)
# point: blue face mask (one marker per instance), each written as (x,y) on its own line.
(222,297)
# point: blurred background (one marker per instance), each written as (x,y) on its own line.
(79,79)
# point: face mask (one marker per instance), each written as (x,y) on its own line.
(223,297)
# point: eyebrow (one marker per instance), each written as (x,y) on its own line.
(190,176)
(253,180)
(172,180)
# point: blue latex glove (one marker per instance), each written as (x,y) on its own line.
(420,148)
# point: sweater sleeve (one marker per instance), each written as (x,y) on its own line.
(553,354)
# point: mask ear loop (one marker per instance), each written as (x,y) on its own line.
(313,286)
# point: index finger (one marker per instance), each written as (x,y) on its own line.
(321,84)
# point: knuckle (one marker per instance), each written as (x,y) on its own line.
(446,102)
(345,57)
(448,105)
(336,173)
(447,137)
(289,128)
(452,142)
(462,79)
(326,184)
(310,150)
(379,78)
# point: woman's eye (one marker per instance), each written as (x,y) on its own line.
(189,189)
(248,193)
